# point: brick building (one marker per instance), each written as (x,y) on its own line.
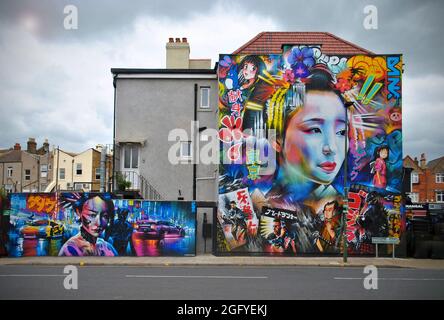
(427,179)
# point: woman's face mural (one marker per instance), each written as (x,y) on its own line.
(94,216)
(249,71)
(294,114)
(314,138)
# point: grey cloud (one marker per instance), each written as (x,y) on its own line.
(96,18)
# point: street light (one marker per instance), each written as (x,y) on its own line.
(347,105)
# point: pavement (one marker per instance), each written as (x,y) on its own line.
(211,260)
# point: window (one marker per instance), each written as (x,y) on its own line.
(78,186)
(8,188)
(185,149)
(97,173)
(9,172)
(415,177)
(414,196)
(205,98)
(43,187)
(44,170)
(131,157)
(78,169)
(439,196)
(440,178)
(62,173)
(27,174)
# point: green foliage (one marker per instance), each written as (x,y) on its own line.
(122,183)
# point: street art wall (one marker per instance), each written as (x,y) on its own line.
(284,146)
(95,224)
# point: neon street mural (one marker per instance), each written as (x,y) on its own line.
(282,132)
(95,224)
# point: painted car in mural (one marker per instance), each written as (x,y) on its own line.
(157,229)
(95,224)
(42,229)
(283,128)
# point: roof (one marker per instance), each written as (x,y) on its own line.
(435,164)
(71,154)
(408,162)
(12,156)
(272,42)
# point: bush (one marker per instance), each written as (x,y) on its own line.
(122,183)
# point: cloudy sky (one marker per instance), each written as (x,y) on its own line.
(56,83)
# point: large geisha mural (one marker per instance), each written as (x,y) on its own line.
(282,131)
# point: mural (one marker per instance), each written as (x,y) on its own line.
(282,131)
(95,224)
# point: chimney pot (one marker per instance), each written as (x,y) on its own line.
(423,161)
(17,146)
(177,39)
(170,40)
(184,40)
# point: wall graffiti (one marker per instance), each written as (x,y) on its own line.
(294,106)
(95,224)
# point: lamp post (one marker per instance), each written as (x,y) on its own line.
(345,208)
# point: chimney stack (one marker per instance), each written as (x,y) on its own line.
(17,146)
(46,145)
(177,54)
(423,161)
(32,146)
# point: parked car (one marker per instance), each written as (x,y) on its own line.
(42,229)
(150,229)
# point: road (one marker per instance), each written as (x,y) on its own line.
(218,283)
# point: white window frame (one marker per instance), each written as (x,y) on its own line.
(414,196)
(415,177)
(439,178)
(439,196)
(131,148)
(78,186)
(28,175)
(43,170)
(8,188)
(60,173)
(79,165)
(205,104)
(97,174)
(10,172)
(184,156)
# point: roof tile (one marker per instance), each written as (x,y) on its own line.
(271,43)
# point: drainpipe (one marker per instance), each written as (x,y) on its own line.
(57,169)
(102,169)
(38,174)
(72,173)
(114,134)
(194,141)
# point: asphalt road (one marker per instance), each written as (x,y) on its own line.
(218,283)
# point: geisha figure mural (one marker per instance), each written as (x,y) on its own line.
(283,138)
